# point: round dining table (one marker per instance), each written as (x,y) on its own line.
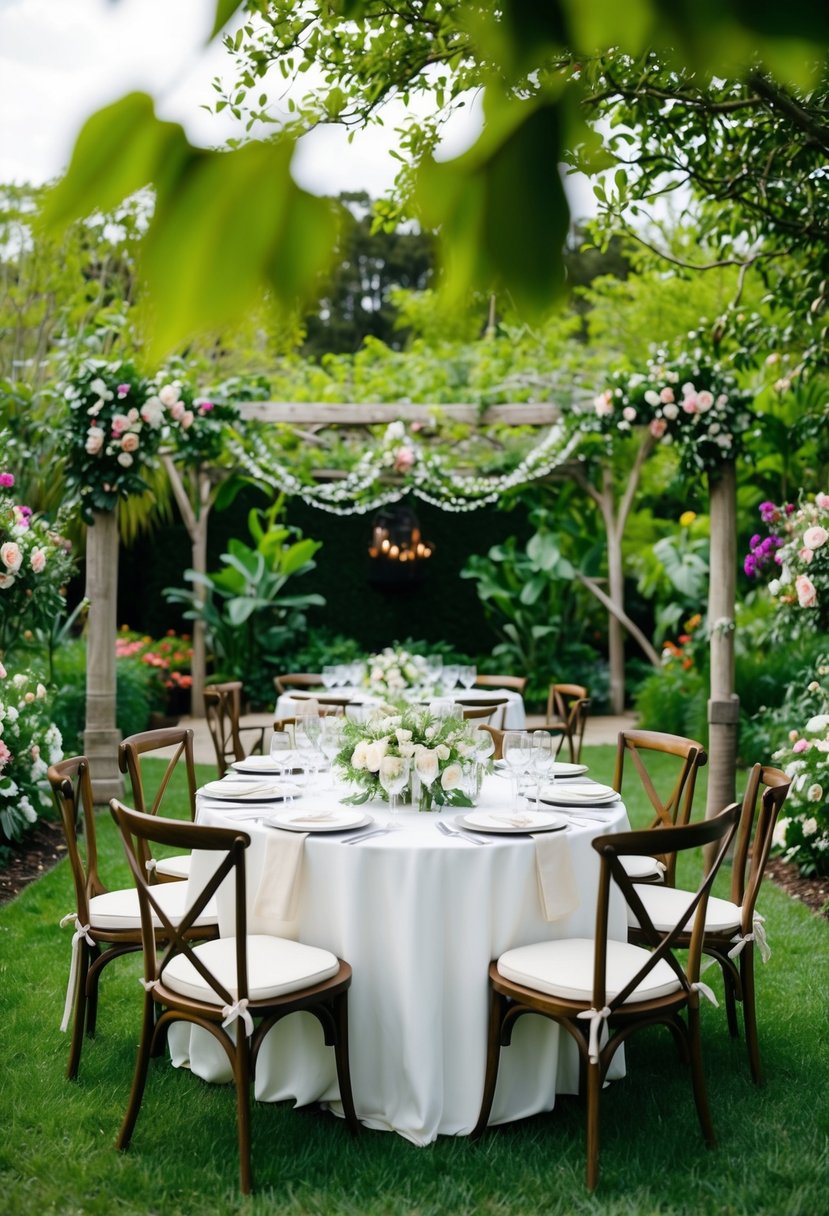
(419,915)
(508,715)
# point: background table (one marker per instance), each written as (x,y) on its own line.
(510,716)
(419,917)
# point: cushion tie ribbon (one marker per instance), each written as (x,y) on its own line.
(81,933)
(705,991)
(758,935)
(239,1009)
(597,1017)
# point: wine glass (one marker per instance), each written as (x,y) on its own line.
(330,742)
(394,776)
(280,749)
(517,749)
(467,675)
(434,666)
(449,676)
(543,760)
(330,675)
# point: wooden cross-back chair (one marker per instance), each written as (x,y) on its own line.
(517,683)
(306,680)
(236,988)
(497,739)
(568,705)
(178,743)
(639,747)
(223,711)
(600,991)
(107,922)
(733,926)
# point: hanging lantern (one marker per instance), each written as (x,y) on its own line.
(397,552)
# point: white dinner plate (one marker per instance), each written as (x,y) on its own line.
(250,791)
(563,769)
(578,793)
(257,764)
(513,821)
(339,819)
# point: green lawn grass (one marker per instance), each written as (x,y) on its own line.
(57,1154)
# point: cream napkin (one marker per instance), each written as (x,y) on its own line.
(278,890)
(557,890)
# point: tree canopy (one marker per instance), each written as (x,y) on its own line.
(235,221)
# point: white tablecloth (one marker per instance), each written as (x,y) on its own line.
(419,917)
(510,716)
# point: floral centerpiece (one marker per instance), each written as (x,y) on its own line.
(35,563)
(690,401)
(802,832)
(439,750)
(29,743)
(796,553)
(394,670)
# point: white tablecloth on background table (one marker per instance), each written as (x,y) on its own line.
(419,917)
(510,716)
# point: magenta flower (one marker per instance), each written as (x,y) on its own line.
(205,407)
(6,480)
(122,390)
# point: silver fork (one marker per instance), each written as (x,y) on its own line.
(447,831)
(367,835)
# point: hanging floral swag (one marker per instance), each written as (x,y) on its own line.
(117,423)
(688,401)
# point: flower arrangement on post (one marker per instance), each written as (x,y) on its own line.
(35,563)
(796,551)
(690,401)
(440,750)
(29,743)
(802,833)
(394,670)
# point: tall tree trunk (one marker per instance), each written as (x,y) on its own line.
(101,736)
(723,704)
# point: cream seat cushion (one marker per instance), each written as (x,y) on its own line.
(276,966)
(565,969)
(641,867)
(174,867)
(666,905)
(119,909)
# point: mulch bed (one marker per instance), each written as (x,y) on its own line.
(44,846)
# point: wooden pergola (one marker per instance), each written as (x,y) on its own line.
(101,736)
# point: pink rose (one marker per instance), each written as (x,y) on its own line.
(94,440)
(6,480)
(629,413)
(805,588)
(122,390)
(821,500)
(120,423)
(666,395)
(130,442)
(689,404)
(11,556)
(603,404)
(806,556)
(802,745)
(5,754)
(813,538)
(205,407)
(6,581)
(38,560)
(658,427)
(705,400)
(2,672)
(403,460)
(177,410)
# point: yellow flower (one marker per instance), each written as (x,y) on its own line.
(687,518)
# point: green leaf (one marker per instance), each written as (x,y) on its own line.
(224,11)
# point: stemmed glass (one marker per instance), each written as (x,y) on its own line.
(544,752)
(517,748)
(467,675)
(449,676)
(394,776)
(330,675)
(434,666)
(330,743)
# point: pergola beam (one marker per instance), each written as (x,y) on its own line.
(348,413)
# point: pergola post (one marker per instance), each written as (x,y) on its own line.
(101,737)
(723,704)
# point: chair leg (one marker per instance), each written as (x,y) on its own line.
(142,1062)
(493,1056)
(241,1071)
(93,975)
(79,1014)
(730,993)
(342,1061)
(698,1077)
(594,1089)
(750,1013)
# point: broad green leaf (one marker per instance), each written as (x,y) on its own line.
(543,549)
(534,589)
(239,610)
(224,11)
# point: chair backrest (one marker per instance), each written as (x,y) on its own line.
(671,808)
(130,751)
(138,833)
(519,683)
(716,835)
(754,835)
(297,679)
(325,711)
(72,789)
(223,711)
(569,704)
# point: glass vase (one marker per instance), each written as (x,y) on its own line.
(420,793)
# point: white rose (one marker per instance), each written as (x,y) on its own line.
(124,459)
(358,756)
(403,736)
(818,724)
(152,412)
(11,555)
(778,836)
(6,581)
(652,397)
(442,751)
(426,764)
(670,411)
(407,750)
(28,810)
(99,386)
(815,793)
(375,753)
(169,394)
(809,827)
(450,778)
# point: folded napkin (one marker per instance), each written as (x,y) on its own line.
(557,890)
(276,897)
